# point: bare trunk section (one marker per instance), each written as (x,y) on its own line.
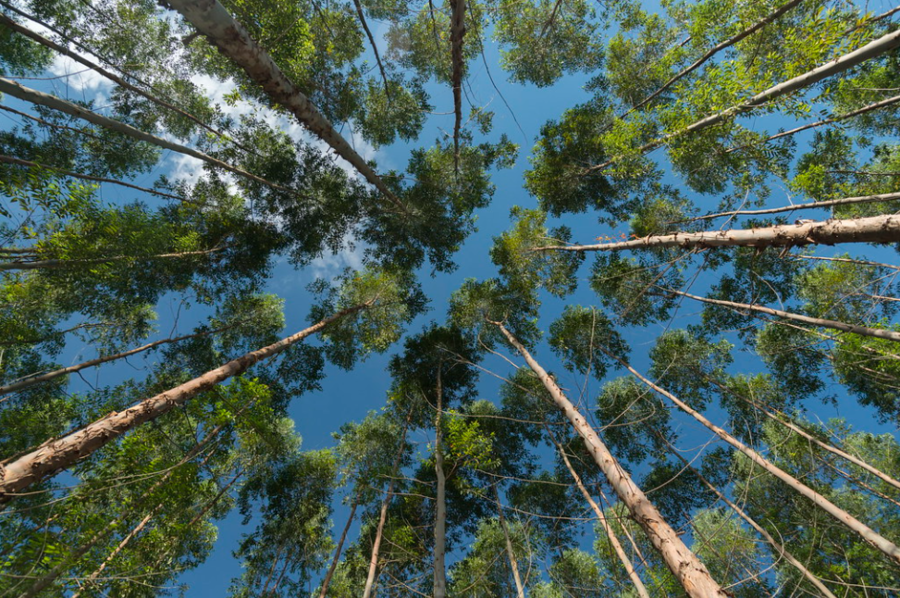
(58,454)
(865,532)
(780,550)
(382,518)
(46,377)
(802,206)
(510,553)
(440,507)
(60,264)
(834,67)
(684,564)
(39,98)
(59,49)
(872,229)
(212,20)
(73,557)
(715,50)
(457,32)
(820,322)
(365,26)
(88,177)
(337,551)
(607,528)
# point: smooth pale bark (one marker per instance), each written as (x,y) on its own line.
(39,98)
(440,507)
(46,377)
(820,322)
(803,206)
(58,264)
(843,259)
(88,177)
(684,564)
(382,518)
(715,50)
(60,49)
(780,550)
(58,454)
(873,229)
(73,557)
(337,551)
(827,121)
(457,32)
(607,528)
(212,20)
(865,532)
(510,553)
(833,67)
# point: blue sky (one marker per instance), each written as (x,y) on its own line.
(350,395)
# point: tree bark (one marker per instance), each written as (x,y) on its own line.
(820,322)
(382,518)
(457,32)
(211,19)
(780,550)
(365,26)
(88,177)
(59,454)
(510,553)
(41,378)
(60,49)
(802,206)
(833,67)
(684,564)
(715,50)
(607,528)
(59,264)
(33,96)
(872,229)
(337,551)
(440,508)
(865,532)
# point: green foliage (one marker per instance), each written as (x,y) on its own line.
(630,288)
(475,305)
(586,342)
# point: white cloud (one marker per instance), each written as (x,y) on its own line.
(330,266)
(80,80)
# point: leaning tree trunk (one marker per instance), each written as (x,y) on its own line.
(684,564)
(60,264)
(33,96)
(604,523)
(873,229)
(211,19)
(382,518)
(457,31)
(56,455)
(440,493)
(838,65)
(337,551)
(865,532)
(510,553)
(815,205)
(780,550)
(819,322)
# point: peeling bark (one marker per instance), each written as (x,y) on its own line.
(684,564)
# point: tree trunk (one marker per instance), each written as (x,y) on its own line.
(868,534)
(440,507)
(834,67)
(365,26)
(607,528)
(382,518)
(212,20)
(802,206)
(60,49)
(88,177)
(872,229)
(715,50)
(457,31)
(33,96)
(510,553)
(684,564)
(781,551)
(59,264)
(820,322)
(55,455)
(337,551)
